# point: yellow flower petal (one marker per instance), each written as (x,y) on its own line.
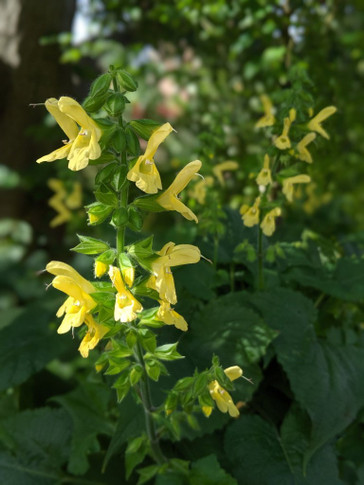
(268,224)
(83,145)
(126,305)
(71,108)
(171,255)
(303,153)
(170,317)
(264,177)
(100,269)
(64,269)
(268,119)
(315,123)
(283,142)
(93,336)
(71,288)
(169,198)
(223,399)
(251,214)
(145,173)
(223,167)
(233,372)
(66,123)
(289,182)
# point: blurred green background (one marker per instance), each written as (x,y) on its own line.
(202,66)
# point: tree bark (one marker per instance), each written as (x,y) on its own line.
(29,73)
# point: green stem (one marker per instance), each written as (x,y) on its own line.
(260,260)
(145,394)
(123,203)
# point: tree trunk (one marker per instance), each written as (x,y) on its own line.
(29,73)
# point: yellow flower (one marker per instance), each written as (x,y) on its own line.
(250,214)
(167,315)
(126,305)
(74,199)
(79,302)
(100,269)
(145,173)
(58,268)
(223,167)
(233,372)
(94,334)
(198,191)
(61,202)
(265,176)
(315,123)
(171,255)
(128,275)
(303,153)
(207,410)
(223,399)
(289,182)
(283,142)
(82,144)
(169,198)
(292,115)
(268,118)
(268,224)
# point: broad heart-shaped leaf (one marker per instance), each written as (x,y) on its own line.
(344,281)
(131,423)
(208,471)
(28,344)
(259,457)
(326,379)
(87,406)
(228,328)
(38,444)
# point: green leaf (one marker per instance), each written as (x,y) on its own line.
(98,212)
(135,218)
(120,217)
(144,128)
(118,140)
(115,105)
(105,157)
(36,345)
(143,252)
(87,405)
(135,453)
(135,374)
(326,379)
(148,339)
(100,86)
(259,457)
(167,352)
(130,424)
(39,444)
(228,328)
(126,80)
(345,281)
(107,257)
(90,245)
(132,142)
(207,471)
(106,173)
(147,473)
(104,195)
